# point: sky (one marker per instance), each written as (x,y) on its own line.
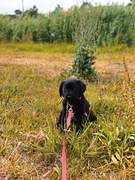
(45,6)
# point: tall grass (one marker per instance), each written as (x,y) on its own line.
(116,24)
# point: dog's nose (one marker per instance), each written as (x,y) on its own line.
(69,97)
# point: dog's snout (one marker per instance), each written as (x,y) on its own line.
(69,97)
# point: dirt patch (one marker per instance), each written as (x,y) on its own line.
(52,64)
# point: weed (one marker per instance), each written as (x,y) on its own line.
(83,62)
(128,92)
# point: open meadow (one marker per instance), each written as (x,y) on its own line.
(31,146)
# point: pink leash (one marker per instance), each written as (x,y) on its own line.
(64,166)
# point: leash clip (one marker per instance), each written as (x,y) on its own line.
(70,107)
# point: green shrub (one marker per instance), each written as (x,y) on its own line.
(84,39)
(83,62)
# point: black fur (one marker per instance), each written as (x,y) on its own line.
(73,92)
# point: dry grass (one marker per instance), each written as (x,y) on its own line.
(56,63)
(51,63)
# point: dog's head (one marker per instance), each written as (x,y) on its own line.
(72,89)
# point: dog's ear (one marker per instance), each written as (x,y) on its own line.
(60,88)
(82,86)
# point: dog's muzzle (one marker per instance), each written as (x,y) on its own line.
(70,98)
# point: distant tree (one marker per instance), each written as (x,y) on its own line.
(86,4)
(132,3)
(18,12)
(58,9)
(32,12)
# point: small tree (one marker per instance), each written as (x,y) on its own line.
(83,61)
(32,12)
(18,12)
(85,34)
(132,3)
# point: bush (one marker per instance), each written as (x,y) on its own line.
(83,62)
(85,39)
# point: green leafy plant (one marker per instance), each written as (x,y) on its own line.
(84,55)
(83,62)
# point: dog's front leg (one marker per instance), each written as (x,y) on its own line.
(79,125)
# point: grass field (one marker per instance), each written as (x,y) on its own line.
(31,147)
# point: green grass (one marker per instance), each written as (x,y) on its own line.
(60,47)
(39,47)
(117,49)
(31,147)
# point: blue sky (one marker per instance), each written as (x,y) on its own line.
(45,6)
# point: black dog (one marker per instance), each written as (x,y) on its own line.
(72,90)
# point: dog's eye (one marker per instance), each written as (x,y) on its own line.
(64,90)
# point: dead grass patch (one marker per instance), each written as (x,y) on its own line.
(54,64)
